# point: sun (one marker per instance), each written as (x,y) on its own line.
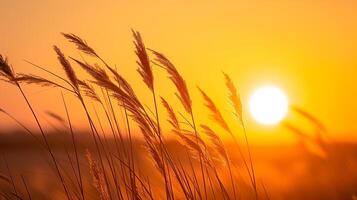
(268,105)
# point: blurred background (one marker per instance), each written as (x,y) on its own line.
(306,48)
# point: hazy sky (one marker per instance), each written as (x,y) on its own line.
(307,48)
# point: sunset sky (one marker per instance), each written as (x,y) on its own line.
(306,48)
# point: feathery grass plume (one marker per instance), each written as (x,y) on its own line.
(142,122)
(194,144)
(102,79)
(219,146)
(125,94)
(309,142)
(215,113)
(191,143)
(98,179)
(67,67)
(234,98)
(217,142)
(80,43)
(95,71)
(33,79)
(37,80)
(100,76)
(183,94)
(300,133)
(122,82)
(156,157)
(188,138)
(172,116)
(317,123)
(6,71)
(189,134)
(74,81)
(88,90)
(150,139)
(238,108)
(145,69)
(134,106)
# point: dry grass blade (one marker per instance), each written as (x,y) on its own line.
(144,69)
(156,157)
(191,142)
(303,135)
(187,137)
(172,116)
(309,117)
(80,43)
(88,90)
(95,71)
(237,105)
(150,139)
(310,143)
(219,147)
(198,140)
(5,68)
(100,76)
(122,82)
(215,113)
(177,79)
(217,142)
(33,79)
(146,125)
(296,130)
(67,67)
(98,179)
(234,98)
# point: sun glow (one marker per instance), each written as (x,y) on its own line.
(268,105)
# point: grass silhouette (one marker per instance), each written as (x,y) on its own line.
(113,165)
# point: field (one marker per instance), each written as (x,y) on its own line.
(287,172)
(135,157)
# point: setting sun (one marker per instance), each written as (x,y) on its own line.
(268,105)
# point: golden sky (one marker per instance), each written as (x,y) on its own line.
(307,48)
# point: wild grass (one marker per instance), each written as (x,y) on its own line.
(115,171)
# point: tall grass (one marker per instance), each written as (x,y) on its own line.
(114,168)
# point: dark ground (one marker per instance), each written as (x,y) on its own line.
(287,172)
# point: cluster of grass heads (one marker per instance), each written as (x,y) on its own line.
(114,169)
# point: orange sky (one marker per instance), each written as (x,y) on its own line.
(307,48)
